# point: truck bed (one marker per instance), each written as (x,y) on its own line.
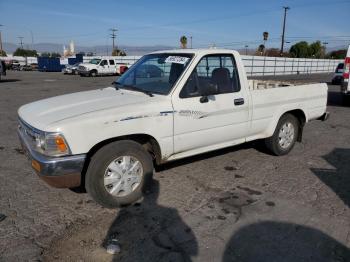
(267,84)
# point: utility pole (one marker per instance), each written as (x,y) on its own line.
(21,41)
(0,42)
(113,36)
(191,41)
(286,8)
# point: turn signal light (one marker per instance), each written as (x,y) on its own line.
(61,145)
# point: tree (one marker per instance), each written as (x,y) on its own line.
(3,53)
(25,52)
(265,36)
(118,52)
(183,41)
(300,49)
(53,54)
(337,54)
(316,50)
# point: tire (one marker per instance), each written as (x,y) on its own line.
(345,100)
(99,171)
(93,73)
(273,143)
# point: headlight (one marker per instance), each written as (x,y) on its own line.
(52,144)
(46,143)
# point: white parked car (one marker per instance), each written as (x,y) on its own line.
(202,101)
(338,74)
(71,69)
(105,66)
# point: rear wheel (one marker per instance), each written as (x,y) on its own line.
(118,173)
(283,139)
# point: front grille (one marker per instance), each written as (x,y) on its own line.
(81,68)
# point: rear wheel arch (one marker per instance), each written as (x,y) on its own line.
(301,117)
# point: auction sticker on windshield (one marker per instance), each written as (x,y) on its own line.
(176,59)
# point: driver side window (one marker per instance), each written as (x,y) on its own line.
(218,70)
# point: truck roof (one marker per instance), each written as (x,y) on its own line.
(203,51)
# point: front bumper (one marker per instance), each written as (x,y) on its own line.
(60,172)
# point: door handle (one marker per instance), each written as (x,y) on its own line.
(239,101)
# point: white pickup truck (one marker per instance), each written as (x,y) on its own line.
(190,102)
(102,66)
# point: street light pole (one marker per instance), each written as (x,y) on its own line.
(284,27)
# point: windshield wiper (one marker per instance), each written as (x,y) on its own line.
(131,87)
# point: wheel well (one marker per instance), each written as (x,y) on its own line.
(147,141)
(300,115)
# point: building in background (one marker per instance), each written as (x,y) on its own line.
(70,51)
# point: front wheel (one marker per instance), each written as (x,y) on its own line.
(93,73)
(285,135)
(118,173)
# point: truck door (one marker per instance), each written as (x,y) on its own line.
(104,67)
(112,67)
(216,119)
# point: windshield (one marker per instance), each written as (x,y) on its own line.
(95,61)
(155,73)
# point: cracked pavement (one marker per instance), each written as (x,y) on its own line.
(235,204)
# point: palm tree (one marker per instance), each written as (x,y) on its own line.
(261,49)
(183,41)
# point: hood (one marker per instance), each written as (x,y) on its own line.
(42,113)
(86,64)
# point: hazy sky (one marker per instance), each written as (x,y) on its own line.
(227,23)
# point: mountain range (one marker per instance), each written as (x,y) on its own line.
(98,49)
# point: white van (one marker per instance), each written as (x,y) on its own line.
(101,66)
(345,87)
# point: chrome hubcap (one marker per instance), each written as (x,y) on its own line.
(123,175)
(286,135)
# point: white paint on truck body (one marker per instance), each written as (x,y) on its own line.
(182,127)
